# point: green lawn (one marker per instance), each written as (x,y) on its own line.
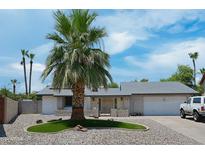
(55,126)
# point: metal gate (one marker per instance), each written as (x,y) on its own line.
(1,110)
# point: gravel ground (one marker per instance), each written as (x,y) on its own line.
(15,134)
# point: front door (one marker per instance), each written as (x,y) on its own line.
(1,110)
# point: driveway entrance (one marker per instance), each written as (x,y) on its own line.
(187,127)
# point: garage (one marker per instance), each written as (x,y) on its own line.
(163,105)
(49,105)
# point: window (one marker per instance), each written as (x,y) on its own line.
(68,101)
(93,98)
(95,89)
(115,103)
(121,98)
(197,100)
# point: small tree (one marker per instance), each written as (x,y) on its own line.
(144,80)
(113,85)
(184,74)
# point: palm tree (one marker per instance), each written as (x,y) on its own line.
(202,71)
(14,81)
(77,59)
(31,56)
(194,57)
(23,62)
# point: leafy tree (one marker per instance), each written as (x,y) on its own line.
(184,74)
(23,62)
(113,85)
(31,56)
(144,80)
(194,57)
(77,58)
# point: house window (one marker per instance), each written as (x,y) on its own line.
(93,98)
(95,89)
(68,101)
(115,105)
(121,98)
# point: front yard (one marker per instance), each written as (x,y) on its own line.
(59,125)
(16,133)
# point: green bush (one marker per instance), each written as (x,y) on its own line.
(17,97)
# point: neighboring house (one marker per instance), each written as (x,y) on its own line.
(132,98)
(202,82)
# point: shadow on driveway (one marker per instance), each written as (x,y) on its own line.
(202,120)
(2,131)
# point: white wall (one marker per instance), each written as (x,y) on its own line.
(11,110)
(49,104)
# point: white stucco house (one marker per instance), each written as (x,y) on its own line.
(132,98)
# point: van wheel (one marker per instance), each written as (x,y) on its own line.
(182,114)
(196,116)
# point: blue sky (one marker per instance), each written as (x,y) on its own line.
(142,43)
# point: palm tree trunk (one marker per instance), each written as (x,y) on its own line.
(78,90)
(14,88)
(30,77)
(25,78)
(194,73)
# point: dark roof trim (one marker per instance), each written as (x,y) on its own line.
(44,94)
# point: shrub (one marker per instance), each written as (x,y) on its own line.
(17,97)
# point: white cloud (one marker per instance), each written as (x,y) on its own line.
(15,71)
(37,67)
(165,59)
(42,49)
(121,40)
(139,25)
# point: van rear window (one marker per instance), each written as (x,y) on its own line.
(197,100)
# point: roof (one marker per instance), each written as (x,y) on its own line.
(67,92)
(202,79)
(157,88)
(127,88)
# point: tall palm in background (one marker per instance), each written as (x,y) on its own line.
(77,59)
(23,62)
(31,56)
(14,82)
(194,57)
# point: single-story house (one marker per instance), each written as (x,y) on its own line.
(132,98)
(202,82)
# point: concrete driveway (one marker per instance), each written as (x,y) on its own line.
(187,127)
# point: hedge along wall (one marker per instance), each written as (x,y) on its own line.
(10,109)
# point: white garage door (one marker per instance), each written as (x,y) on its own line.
(163,105)
(49,105)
